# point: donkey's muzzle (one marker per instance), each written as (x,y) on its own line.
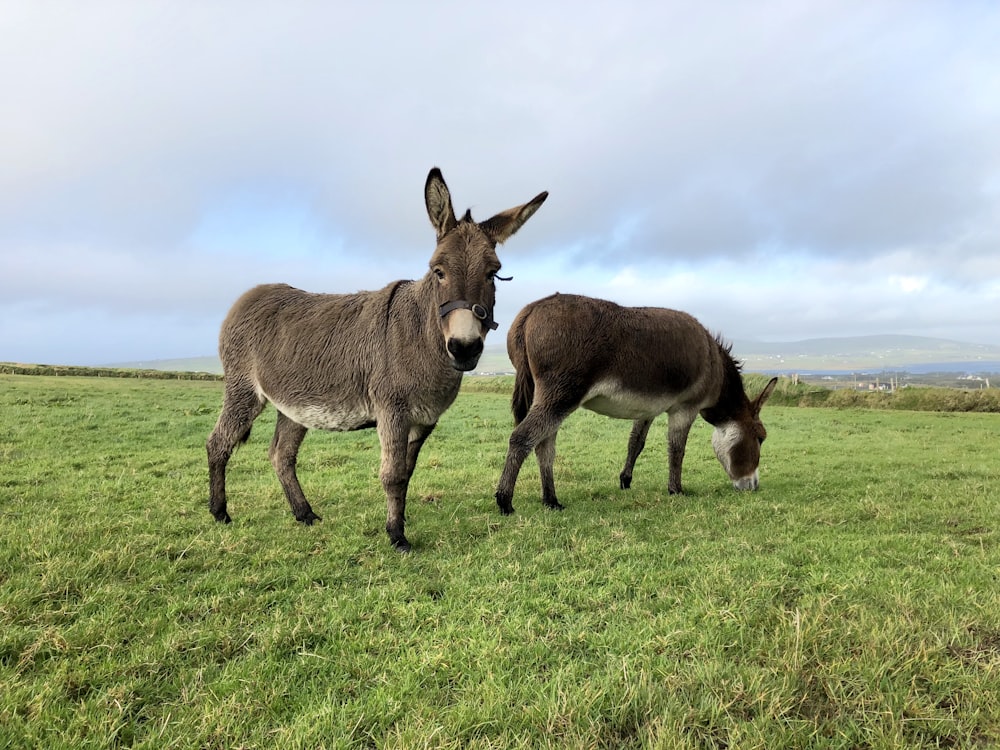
(465,332)
(465,354)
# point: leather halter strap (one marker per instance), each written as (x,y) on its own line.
(478,310)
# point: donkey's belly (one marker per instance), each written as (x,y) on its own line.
(613,400)
(340,417)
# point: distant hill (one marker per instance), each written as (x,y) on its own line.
(846,354)
(866,353)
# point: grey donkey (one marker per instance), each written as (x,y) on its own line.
(391,359)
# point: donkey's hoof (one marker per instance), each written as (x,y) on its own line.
(504,504)
(308,518)
(222,517)
(624,482)
(402,545)
(554,504)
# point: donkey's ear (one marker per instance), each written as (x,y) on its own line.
(438,201)
(500,227)
(765,394)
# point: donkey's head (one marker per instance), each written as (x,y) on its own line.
(464,266)
(737,442)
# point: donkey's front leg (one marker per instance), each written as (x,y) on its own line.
(395,476)
(636,442)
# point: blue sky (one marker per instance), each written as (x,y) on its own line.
(782,170)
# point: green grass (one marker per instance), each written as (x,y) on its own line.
(852,602)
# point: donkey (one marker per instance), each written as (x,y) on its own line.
(628,363)
(391,359)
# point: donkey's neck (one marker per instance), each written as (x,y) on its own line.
(732,398)
(415,303)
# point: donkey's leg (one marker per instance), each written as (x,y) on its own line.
(636,442)
(538,425)
(395,472)
(418,434)
(545,452)
(678,427)
(240,407)
(284,451)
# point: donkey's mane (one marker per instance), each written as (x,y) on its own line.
(731,395)
(396,286)
(727,349)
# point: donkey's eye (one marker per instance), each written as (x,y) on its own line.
(439,272)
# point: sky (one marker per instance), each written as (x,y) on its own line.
(782,170)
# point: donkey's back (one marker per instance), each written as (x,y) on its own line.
(618,361)
(315,356)
(276,324)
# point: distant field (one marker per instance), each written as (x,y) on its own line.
(852,602)
(926,360)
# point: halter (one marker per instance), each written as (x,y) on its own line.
(478,310)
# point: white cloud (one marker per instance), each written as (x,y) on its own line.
(909,284)
(794,169)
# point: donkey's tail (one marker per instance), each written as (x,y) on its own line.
(524,384)
(524,394)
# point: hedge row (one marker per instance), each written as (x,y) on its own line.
(911,398)
(103,372)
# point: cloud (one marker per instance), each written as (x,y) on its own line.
(159,157)
(909,284)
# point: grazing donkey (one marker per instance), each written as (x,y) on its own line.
(390,359)
(628,363)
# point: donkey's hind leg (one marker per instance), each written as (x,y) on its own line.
(545,452)
(536,432)
(678,427)
(241,406)
(284,451)
(636,442)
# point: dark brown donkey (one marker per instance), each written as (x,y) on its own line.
(390,359)
(628,363)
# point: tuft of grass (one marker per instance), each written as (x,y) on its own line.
(851,602)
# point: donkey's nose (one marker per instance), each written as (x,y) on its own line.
(465,354)
(747,483)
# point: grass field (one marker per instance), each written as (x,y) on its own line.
(852,602)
